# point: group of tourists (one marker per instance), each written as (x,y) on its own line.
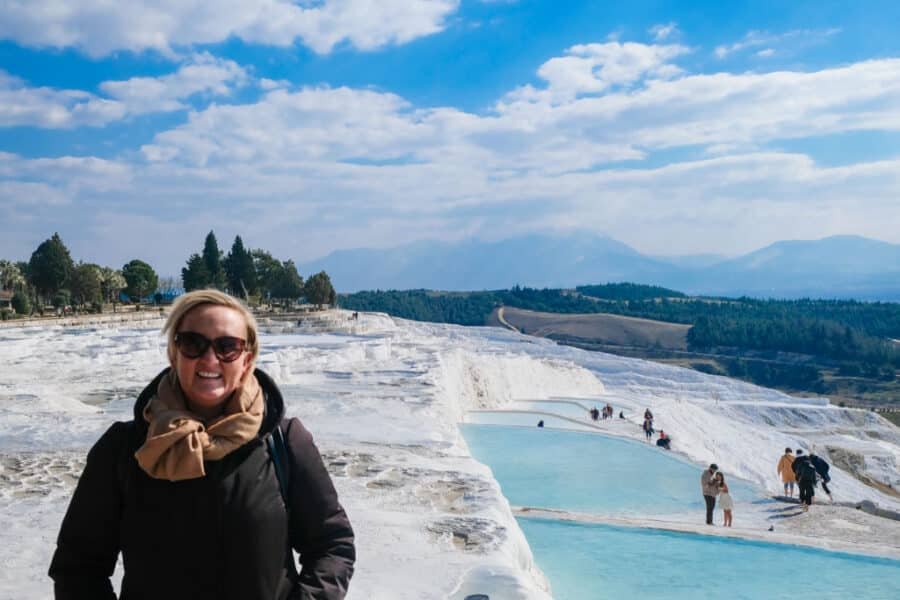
(712,482)
(805,470)
(606,413)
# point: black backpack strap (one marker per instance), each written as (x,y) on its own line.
(279,453)
(125,464)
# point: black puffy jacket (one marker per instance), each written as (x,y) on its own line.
(821,466)
(225,536)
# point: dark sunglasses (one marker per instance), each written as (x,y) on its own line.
(194,345)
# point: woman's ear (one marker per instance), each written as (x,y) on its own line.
(249,364)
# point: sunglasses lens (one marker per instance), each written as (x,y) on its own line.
(228,348)
(194,345)
(191,344)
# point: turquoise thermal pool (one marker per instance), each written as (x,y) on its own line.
(586,562)
(586,472)
(591,473)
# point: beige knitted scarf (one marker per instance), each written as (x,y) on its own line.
(178,441)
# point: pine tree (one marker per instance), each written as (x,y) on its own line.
(239,270)
(195,276)
(212,259)
(50,266)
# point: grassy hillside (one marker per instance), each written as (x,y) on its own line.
(600,328)
(841,348)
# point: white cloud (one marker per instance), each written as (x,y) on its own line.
(100,27)
(66,175)
(202,74)
(663,31)
(17,195)
(21,104)
(593,68)
(766,53)
(304,171)
(797,37)
(723,108)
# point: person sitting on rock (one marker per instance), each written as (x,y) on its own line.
(664,440)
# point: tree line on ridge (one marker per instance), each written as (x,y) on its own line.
(52,278)
(845,331)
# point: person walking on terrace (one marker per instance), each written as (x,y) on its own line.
(822,470)
(710,488)
(805,472)
(209,491)
(786,471)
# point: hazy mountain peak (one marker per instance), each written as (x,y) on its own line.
(835,266)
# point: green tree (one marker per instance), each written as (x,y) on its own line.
(212,258)
(239,270)
(50,266)
(85,284)
(20,303)
(289,284)
(141,279)
(319,290)
(61,298)
(195,276)
(268,272)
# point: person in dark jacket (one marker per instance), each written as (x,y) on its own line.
(710,489)
(664,441)
(822,468)
(805,473)
(188,493)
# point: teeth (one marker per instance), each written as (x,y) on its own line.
(207,374)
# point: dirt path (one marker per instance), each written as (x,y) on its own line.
(503,321)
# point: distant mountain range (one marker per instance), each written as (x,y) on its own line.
(833,267)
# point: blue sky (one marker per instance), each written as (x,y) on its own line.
(310,126)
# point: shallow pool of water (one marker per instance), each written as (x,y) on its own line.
(587,472)
(586,562)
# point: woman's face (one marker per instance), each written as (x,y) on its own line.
(207,381)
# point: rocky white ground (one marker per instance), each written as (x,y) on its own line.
(383,399)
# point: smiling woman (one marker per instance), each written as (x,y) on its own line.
(188,492)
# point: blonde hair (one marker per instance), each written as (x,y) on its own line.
(187,302)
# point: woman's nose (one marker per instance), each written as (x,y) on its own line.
(209,355)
